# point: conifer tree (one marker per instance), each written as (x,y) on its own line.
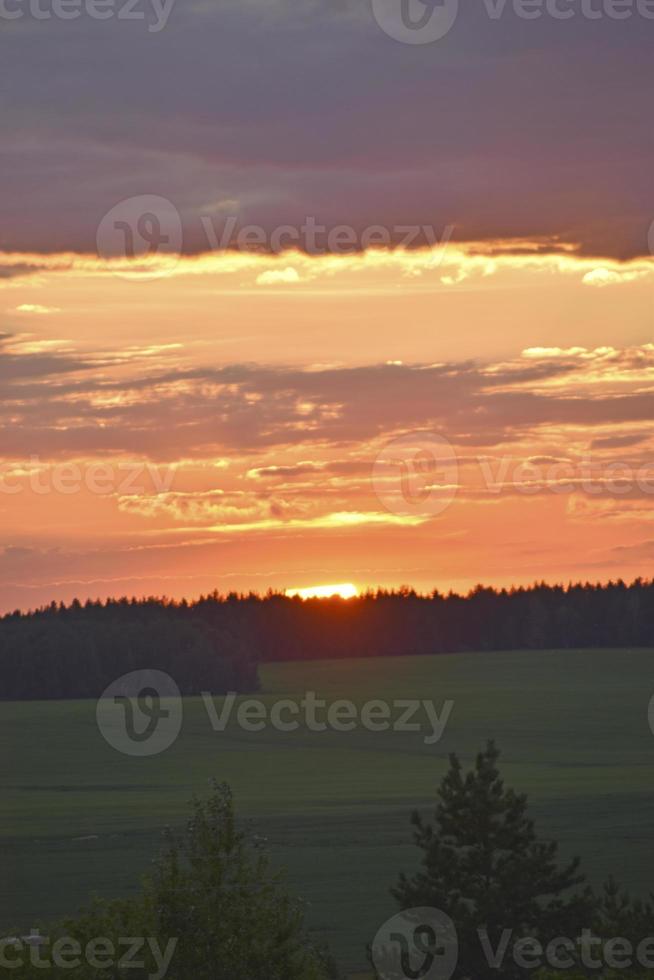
(484,867)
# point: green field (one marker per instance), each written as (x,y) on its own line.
(79,817)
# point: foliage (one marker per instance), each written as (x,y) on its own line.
(484,866)
(215,643)
(218,895)
(212,900)
(77,652)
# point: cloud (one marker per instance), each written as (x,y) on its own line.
(229,128)
(274,277)
(199,507)
(283,472)
(643,550)
(609,277)
(36,309)
(337,521)
(619,441)
(233,265)
(62,404)
(268,459)
(581,507)
(18,365)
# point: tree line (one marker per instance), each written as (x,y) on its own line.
(78,651)
(216,642)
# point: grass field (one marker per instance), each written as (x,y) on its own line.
(79,817)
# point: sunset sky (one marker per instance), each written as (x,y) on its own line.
(473,405)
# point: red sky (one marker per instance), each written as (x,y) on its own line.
(439,418)
(218,368)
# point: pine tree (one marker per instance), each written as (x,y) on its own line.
(485,868)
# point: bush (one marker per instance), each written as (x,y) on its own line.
(211,909)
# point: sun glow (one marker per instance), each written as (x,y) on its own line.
(344,591)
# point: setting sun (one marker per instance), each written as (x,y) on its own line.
(344,591)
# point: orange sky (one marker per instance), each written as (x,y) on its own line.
(439,418)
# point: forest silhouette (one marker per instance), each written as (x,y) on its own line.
(216,642)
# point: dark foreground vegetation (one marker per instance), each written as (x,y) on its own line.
(506,907)
(215,643)
(211,909)
(516,911)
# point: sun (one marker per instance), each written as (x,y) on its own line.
(344,590)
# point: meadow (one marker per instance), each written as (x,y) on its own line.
(78,817)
